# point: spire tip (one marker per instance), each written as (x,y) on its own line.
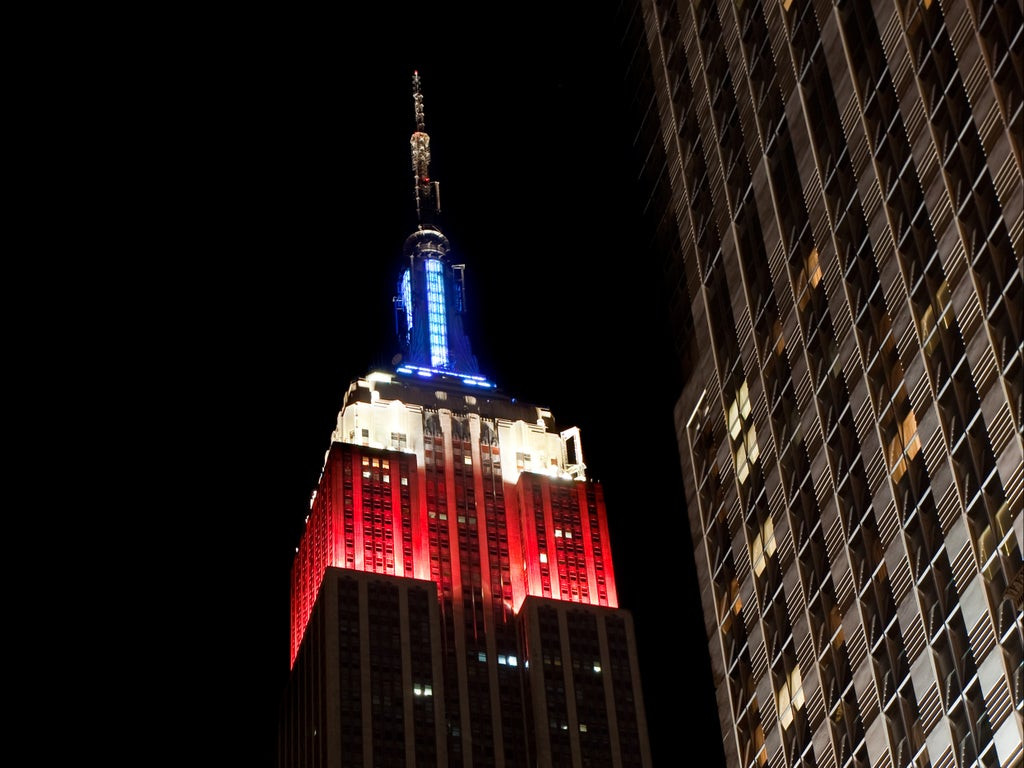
(427,193)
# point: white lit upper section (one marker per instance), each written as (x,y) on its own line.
(383,411)
(531,448)
(380,423)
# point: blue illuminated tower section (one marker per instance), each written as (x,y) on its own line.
(437,317)
(431,291)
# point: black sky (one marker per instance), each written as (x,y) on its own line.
(291,143)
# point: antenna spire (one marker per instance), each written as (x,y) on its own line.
(417,100)
(428,193)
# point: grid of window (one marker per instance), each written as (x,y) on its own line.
(348,539)
(303,735)
(584,702)
(318,548)
(588,687)
(386,690)
(378,527)
(557,706)
(849,216)
(497,522)
(570,560)
(421,668)
(599,555)
(563,521)
(350,671)
(436,494)
(482,736)
(539,523)
(378,537)
(622,687)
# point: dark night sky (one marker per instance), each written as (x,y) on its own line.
(293,146)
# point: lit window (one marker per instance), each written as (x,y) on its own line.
(558,533)
(813,268)
(763,547)
(405,481)
(941,309)
(791,697)
(482,656)
(513,661)
(904,446)
(436,316)
(757,742)
(996,542)
(740,408)
(583,727)
(747,454)
(543,557)
(468,459)
(568,534)
(780,341)
(835,625)
(502,660)
(597,668)
(808,279)
(734,607)
(366,473)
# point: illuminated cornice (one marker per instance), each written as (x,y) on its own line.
(469,379)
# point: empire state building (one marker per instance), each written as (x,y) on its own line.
(453,596)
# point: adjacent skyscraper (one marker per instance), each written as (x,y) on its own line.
(838,192)
(453,596)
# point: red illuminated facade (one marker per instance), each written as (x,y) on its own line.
(383,511)
(565,540)
(362,519)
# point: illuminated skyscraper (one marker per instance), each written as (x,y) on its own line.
(453,595)
(838,192)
